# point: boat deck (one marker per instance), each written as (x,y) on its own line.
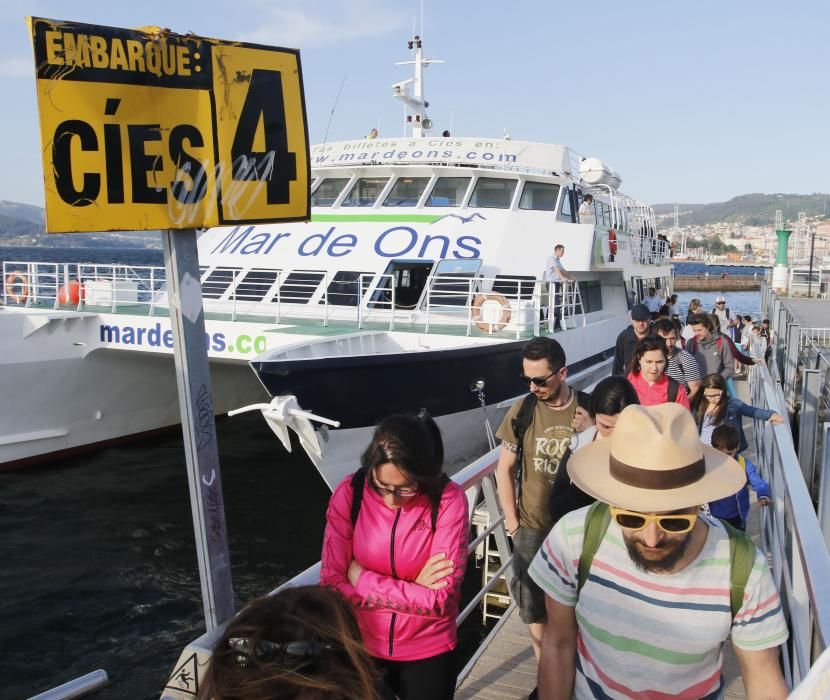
(507,668)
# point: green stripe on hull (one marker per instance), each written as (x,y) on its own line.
(395,218)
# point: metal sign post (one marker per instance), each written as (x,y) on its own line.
(187,320)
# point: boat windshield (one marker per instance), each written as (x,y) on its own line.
(448,192)
(493,193)
(365,192)
(327,191)
(539,196)
(406,192)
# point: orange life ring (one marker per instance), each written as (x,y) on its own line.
(479,302)
(612,241)
(14,279)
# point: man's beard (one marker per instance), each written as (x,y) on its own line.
(666,563)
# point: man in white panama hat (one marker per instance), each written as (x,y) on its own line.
(641,593)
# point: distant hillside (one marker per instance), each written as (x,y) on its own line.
(748,209)
(24,225)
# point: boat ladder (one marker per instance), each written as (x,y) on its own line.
(571,305)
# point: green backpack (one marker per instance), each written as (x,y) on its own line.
(741,552)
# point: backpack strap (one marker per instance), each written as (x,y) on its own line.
(671,392)
(596,524)
(358,480)
(742,558)
(522,421)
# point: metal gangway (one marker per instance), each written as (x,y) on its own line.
(789,534)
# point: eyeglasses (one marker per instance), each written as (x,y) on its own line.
(293,653)
(721,303)
(712,395)
(538,381)
(405,492)
(674,524)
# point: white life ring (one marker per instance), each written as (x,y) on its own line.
(487,308)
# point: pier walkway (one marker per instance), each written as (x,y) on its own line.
(506,670)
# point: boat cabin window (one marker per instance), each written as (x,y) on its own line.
(255,285)
(299,286)
(218,281)
(328,191)
(348,287)
(365,192)
(539,196)
(493,193)
(448,192)
(566,208)
(409,278)
(406,192)
(453,282)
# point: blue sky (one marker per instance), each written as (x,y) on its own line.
(690,101)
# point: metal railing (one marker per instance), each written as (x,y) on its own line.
(514,305)
(479,484)
(796,532)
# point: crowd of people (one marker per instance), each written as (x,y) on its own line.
(626,508)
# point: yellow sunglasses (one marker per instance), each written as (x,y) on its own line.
(672,523)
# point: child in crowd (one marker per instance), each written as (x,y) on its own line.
(734,509)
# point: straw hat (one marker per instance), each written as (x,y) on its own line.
(654,461)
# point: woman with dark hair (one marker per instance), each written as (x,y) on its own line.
(647,374)
(395,546)
(713,407)
(609,398)
(300,643)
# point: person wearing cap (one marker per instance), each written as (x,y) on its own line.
(627,340)
(722,311)
(650,611)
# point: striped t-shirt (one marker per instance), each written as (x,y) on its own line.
(652,636)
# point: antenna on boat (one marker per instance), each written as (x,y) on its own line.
(333,107)
(414,100)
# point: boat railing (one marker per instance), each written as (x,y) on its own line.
(56,285)
(479,484)
(512,305)
(791,535)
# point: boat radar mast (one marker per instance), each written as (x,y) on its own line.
(414,100)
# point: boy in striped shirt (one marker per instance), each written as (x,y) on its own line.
(655,604)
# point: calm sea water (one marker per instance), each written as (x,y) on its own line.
(99,567)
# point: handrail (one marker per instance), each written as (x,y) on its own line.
(476,479)
(790,534)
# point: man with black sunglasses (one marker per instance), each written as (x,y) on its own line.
(544,438)
(643,588)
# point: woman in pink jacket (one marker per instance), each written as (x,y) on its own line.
(396,547)
(647,374)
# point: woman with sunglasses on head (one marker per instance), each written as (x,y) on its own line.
(395,546)
(713,407)
(299,643)
(647,374)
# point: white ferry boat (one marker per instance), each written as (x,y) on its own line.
(414,285)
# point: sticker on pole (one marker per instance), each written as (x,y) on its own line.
(146,129)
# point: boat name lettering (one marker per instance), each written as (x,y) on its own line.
(378,156)
(391,243)
(156,337)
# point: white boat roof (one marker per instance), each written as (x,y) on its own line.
(524,156)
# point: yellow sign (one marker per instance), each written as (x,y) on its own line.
(146,129)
